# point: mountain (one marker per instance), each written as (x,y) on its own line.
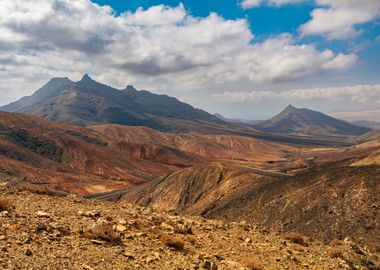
(307,122)
(89,102)
(367,124)
(367,115)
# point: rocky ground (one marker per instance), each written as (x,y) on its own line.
(39,231)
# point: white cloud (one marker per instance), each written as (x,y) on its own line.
(255,3)
(357,93)
(338,19)
(162,46)
(156,16)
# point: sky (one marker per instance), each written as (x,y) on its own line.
(241,58)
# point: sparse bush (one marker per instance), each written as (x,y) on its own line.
(103,232)
(191,239)
(298,248)
(172,241)
(253,264)
(5,204)
(45,191)
(336,243)
(296,238)
(335,253)
(183,229)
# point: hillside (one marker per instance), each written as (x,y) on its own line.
(210,147)
(89,102)
(373,135)
(80,160)
(341,199)
(45,232)
(307,122)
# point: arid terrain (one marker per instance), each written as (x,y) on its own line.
(42,231)
(190,135)
(298,191)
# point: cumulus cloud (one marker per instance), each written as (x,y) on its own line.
(357,93)
(338,19)
(159,46)
(255,3)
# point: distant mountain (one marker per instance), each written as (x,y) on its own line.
(237,120)
(89,102)
(368,124)
(307,122)
(221,117)
(367,115)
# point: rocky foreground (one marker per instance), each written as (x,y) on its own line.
(40,231)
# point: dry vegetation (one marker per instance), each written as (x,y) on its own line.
(172,241)
(5,204)
(254,264)
(296,238)
(336,253)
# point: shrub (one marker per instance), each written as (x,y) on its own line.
(172,241)
(335,253)
(191,239)
(5,203)
(253,264)
(336,243)
(44,191)
(296,238)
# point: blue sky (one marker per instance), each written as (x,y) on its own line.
(244,59)
(264,20)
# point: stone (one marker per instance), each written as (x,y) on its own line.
(4,213)
(28,252)
(98,242)
(122,222)
(92,213)
(129,255)
(42,214)
(120,228)
(210,265)
(166,226)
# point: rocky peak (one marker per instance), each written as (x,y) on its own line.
(86,78)
(131,88)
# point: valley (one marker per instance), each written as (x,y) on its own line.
(290,174)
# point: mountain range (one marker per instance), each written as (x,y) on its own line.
(88,102)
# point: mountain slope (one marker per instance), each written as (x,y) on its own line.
(89,102)
(214,147)
(307,122)
(373,135)
(79,160)
(50,90)
(331,201)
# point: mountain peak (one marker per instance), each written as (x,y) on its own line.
(86,77)
(290,107)
(130,88)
